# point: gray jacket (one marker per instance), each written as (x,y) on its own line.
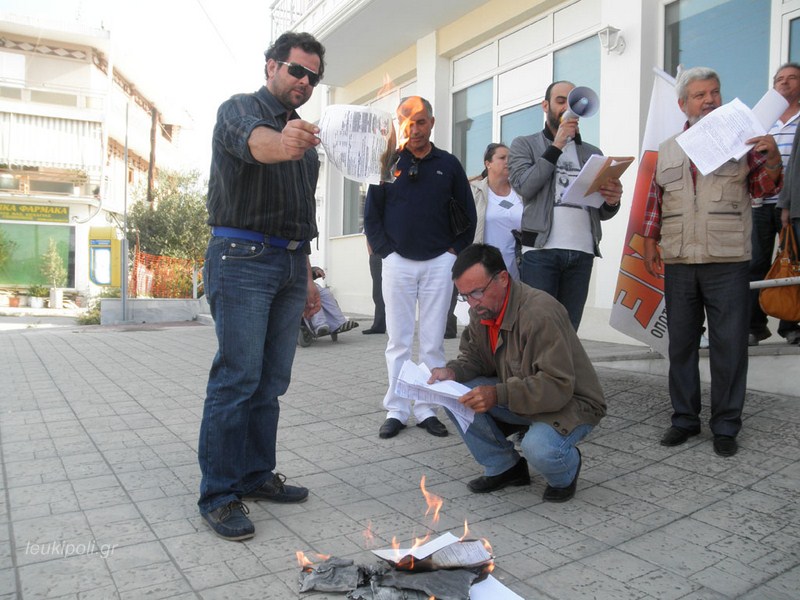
(531,165)
(790,194)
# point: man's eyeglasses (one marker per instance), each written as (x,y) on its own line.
(413,170)
(298,71)
(477,294)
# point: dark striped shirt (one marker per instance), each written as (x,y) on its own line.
(275,199)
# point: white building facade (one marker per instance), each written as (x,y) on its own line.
(485,67)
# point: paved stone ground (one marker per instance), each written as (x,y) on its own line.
(99,474)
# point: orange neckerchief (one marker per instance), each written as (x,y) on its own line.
(494,324)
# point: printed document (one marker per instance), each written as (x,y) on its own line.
(412,383)
(359,141)
(721,135)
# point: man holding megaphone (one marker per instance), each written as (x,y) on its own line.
(559,240)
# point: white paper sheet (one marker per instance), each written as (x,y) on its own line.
(412,383)
(358,140)
(720,136)
(491,589)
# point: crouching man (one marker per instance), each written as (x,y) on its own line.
(528,372)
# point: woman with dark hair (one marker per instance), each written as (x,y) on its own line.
(499,207)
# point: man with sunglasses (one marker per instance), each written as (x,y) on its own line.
(407,223)
(258,280)
(528,372)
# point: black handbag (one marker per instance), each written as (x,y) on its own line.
(459,219)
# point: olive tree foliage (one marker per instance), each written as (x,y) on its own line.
(174,224)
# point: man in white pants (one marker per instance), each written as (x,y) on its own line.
(407,222)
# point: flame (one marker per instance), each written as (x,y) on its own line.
(388,86)
(466,531)
(306,564)
(434,502)
(369,539)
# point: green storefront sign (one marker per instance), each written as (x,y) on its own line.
(34,212)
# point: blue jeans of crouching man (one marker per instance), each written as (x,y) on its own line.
(551,454)
(257,295)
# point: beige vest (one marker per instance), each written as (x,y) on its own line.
(711,224)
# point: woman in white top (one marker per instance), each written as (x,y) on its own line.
(499,207)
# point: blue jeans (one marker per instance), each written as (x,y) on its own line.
(547,451)
(257,294)
(564,274)
(719,291)
(766,226)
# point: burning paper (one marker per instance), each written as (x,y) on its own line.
(360,142)
(445,552)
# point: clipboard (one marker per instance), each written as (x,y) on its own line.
(595,172)
(613,168)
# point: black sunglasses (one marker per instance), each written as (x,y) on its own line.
(298,71)
(413,170)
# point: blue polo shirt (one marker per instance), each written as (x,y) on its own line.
(411,216)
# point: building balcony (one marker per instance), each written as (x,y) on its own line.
(360,35)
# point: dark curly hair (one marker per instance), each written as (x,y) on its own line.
(279,49)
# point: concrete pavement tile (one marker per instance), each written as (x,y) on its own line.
(663,585)
(575,514)
(741,548)
(692,530)
(576,581)
(32,472)
(75,444)
(164,530)
(8,581)
(730,585)
(778,561)
(175,589)
(169,509)
(80,466)
(73,575)
(675,554)
(731,517)
(98,498)
(209,576)
(159,575)
(619,565)
(365,511)
(266,587)
(42,539)
(586,547)
(203,548)
(521,565)
(151,493)
(764,592)
(787,582)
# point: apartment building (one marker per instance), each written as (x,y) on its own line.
(484,65)
(76,137)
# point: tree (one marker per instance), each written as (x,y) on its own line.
(6,249)
(174,224)
(52,265)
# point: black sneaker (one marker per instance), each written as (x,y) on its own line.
(276,490)
(230,522)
